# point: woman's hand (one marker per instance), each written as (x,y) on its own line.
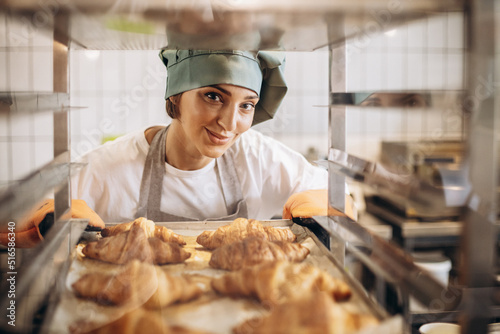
(311,203)
(29,231)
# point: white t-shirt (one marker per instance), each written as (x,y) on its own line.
(269,172)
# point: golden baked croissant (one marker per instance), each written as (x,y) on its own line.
(172,289)
(141,321)
(121,248)
(137,321)
(279,234)
(136,283)
(240,229)
(134,244)
(149,227)
(253,250)
(314,313)
(280,281)
(167,252)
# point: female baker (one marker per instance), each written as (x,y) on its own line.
(208,164)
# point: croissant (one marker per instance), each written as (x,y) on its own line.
(121,248)
(172,289)
(136,282)
(314,313)
(279,234)
(137,321)
(279,281)
(166,252)
(240,229)
(141,321)
(134,244)
(252,251)
(149,227)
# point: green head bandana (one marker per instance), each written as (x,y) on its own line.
(260,71)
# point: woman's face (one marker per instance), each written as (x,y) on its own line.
(213,117)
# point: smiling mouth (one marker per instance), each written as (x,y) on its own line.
(216,138)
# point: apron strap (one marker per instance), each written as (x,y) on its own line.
(150,192)
(231,187)
(152,184)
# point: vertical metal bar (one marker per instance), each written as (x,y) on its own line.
(336,129)
(337,120)
(61,152)
(60,52)
(62,198)
(479,234)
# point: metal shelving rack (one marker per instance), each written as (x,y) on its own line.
(475,303)
(20,197)
(284,25)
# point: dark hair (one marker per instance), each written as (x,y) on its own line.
(171,106)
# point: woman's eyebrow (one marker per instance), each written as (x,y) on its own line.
(251,97)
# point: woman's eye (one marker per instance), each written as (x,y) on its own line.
(248,106)
(213,96)
(415,102)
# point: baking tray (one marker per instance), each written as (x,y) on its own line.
(210,312)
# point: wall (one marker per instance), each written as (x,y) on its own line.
(26,137)
(426,55)
(124,91)
(121,91)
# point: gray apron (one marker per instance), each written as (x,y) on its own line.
(152,184)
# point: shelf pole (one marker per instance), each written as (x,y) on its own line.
(337,121)
(479,234)
(62,199)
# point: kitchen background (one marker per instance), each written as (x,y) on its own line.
(114,92)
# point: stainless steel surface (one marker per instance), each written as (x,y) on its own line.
(337,117)
(33,102)
(376,226)
(438,162)
(413,227)
(62,197)
(431,99)
(219,24)
(36,278)
(21,196)
(397,154)
(426,198)
(60,52)
(354,283)
(298,25)
(479,248)
(386,260)
(114,6)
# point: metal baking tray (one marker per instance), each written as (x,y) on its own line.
(204,318)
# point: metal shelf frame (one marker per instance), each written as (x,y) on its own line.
(479,232)
(289,25)
(225,24)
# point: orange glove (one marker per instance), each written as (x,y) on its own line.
(29,231)
(314,203)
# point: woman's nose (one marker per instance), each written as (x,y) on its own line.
(228,117)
